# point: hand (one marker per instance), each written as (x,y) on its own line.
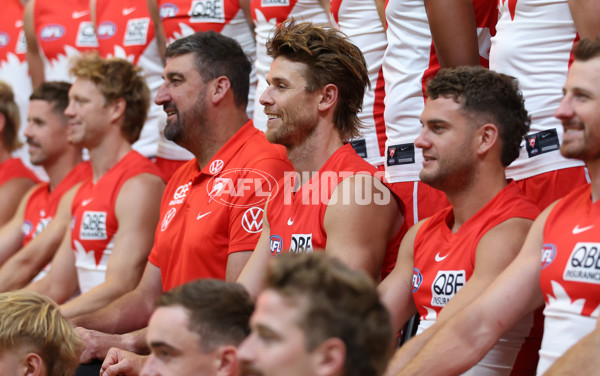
(122,363)
(96,344)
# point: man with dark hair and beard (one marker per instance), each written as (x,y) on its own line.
(473,124)
(211,211)
(335,202)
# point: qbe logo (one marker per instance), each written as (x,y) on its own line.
(276,244)
(136,32)
(168,10)
(301,243)
(86,36)
(93,226)
(416,280)
(207,11)
(52,32)
(446,284)
(548,254)
(584,264)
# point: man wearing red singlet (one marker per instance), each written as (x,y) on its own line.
(473,124)
(30,239)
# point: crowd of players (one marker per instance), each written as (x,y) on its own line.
(163,156)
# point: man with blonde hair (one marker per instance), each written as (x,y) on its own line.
(115,211)
(35,339)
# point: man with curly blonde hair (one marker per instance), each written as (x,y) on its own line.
(35,339)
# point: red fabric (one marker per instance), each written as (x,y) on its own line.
(198,231)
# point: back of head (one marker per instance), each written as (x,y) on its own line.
(55,93)
(117,78)
(217,55)
(341,303)
(30,319)
(587,49)
(330,59)
(487,97)
(219,311)
(10,110)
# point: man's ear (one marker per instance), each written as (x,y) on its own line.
(34,365)
(328,97)
(219,87)
(487,137)
(226,361)
(118,107)
(329,357)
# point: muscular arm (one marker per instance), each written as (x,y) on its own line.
(495,251)
(253,272)
(34,60)
(581,359)
(11,194)
(61,281)
(370,216)
(380,5)
(159,31)
(396,289)
(586,14)
(245,6)
(136,209)
(32,258)
(473,330)
(456,40)
(129,312)
(11,236)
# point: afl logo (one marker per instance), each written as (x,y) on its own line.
(52,32)
(168,10)
(4,39)
(216,166)
(417,280)
(106,30)
(276,244)
(548,254)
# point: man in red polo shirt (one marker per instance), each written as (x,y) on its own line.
(211,211)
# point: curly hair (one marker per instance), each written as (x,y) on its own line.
(117,78)
(30,319)
(10,110)
(330,59)
(340,303)
(488,97)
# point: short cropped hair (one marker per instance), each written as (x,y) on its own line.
(54,92)
(30,319)
(10,110)
(219,311)
(217,55)
(587,49)
(487,97)
(117,78)
(330,59)
(340,303)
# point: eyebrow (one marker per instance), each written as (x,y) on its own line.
(159,344)
(171,75)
